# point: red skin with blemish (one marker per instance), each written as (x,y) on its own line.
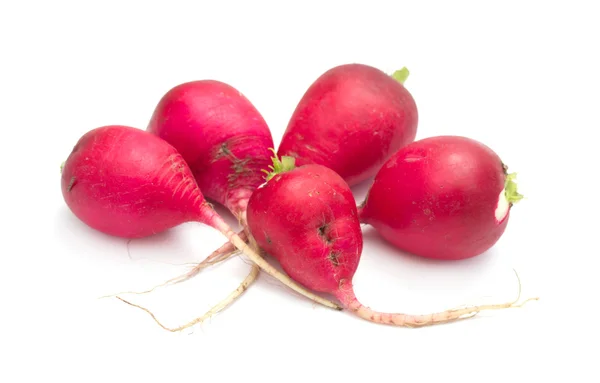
(437,198)
(220,134)
(306,218)
(351,119)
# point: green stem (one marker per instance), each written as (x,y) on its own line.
(401,75)
(510,189)
(286,163)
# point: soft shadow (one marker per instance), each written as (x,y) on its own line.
(226,215)
(360,190)
(371,235)
(422,273)
(74,231)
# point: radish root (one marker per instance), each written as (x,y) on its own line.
(214,310)
(347,297)
(219,255)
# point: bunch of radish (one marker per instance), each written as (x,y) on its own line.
(442,197)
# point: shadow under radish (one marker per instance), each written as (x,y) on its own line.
(169,247)
(227,217)
(83,239)
(386,272)
(360,190)
(371,235)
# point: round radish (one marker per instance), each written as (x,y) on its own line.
(444,197)
(351,119)
(129,183)
(222,137)
(307,219)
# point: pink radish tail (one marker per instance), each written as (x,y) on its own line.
(348,299)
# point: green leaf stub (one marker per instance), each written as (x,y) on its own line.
(510,188)
(286,163)
(401,75)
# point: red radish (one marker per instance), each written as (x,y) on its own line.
(351,119)
(129,183)
(222,137)
(224,140)
(307,219)
(444,197)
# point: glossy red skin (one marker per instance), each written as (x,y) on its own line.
(351,119)
(128,183)
(307,219)
(220,134)
(437,197)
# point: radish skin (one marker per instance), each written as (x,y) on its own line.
(308,220)
(351,119)
(128,183)
(442,197)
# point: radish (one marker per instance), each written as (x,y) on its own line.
(307,219)
(351,119)
(128,183)
(222,137)
(443,197)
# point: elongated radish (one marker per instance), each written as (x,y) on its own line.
(308,220)
(129,183)
(443,197)
(351,119)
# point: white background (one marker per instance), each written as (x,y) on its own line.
(522,77)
